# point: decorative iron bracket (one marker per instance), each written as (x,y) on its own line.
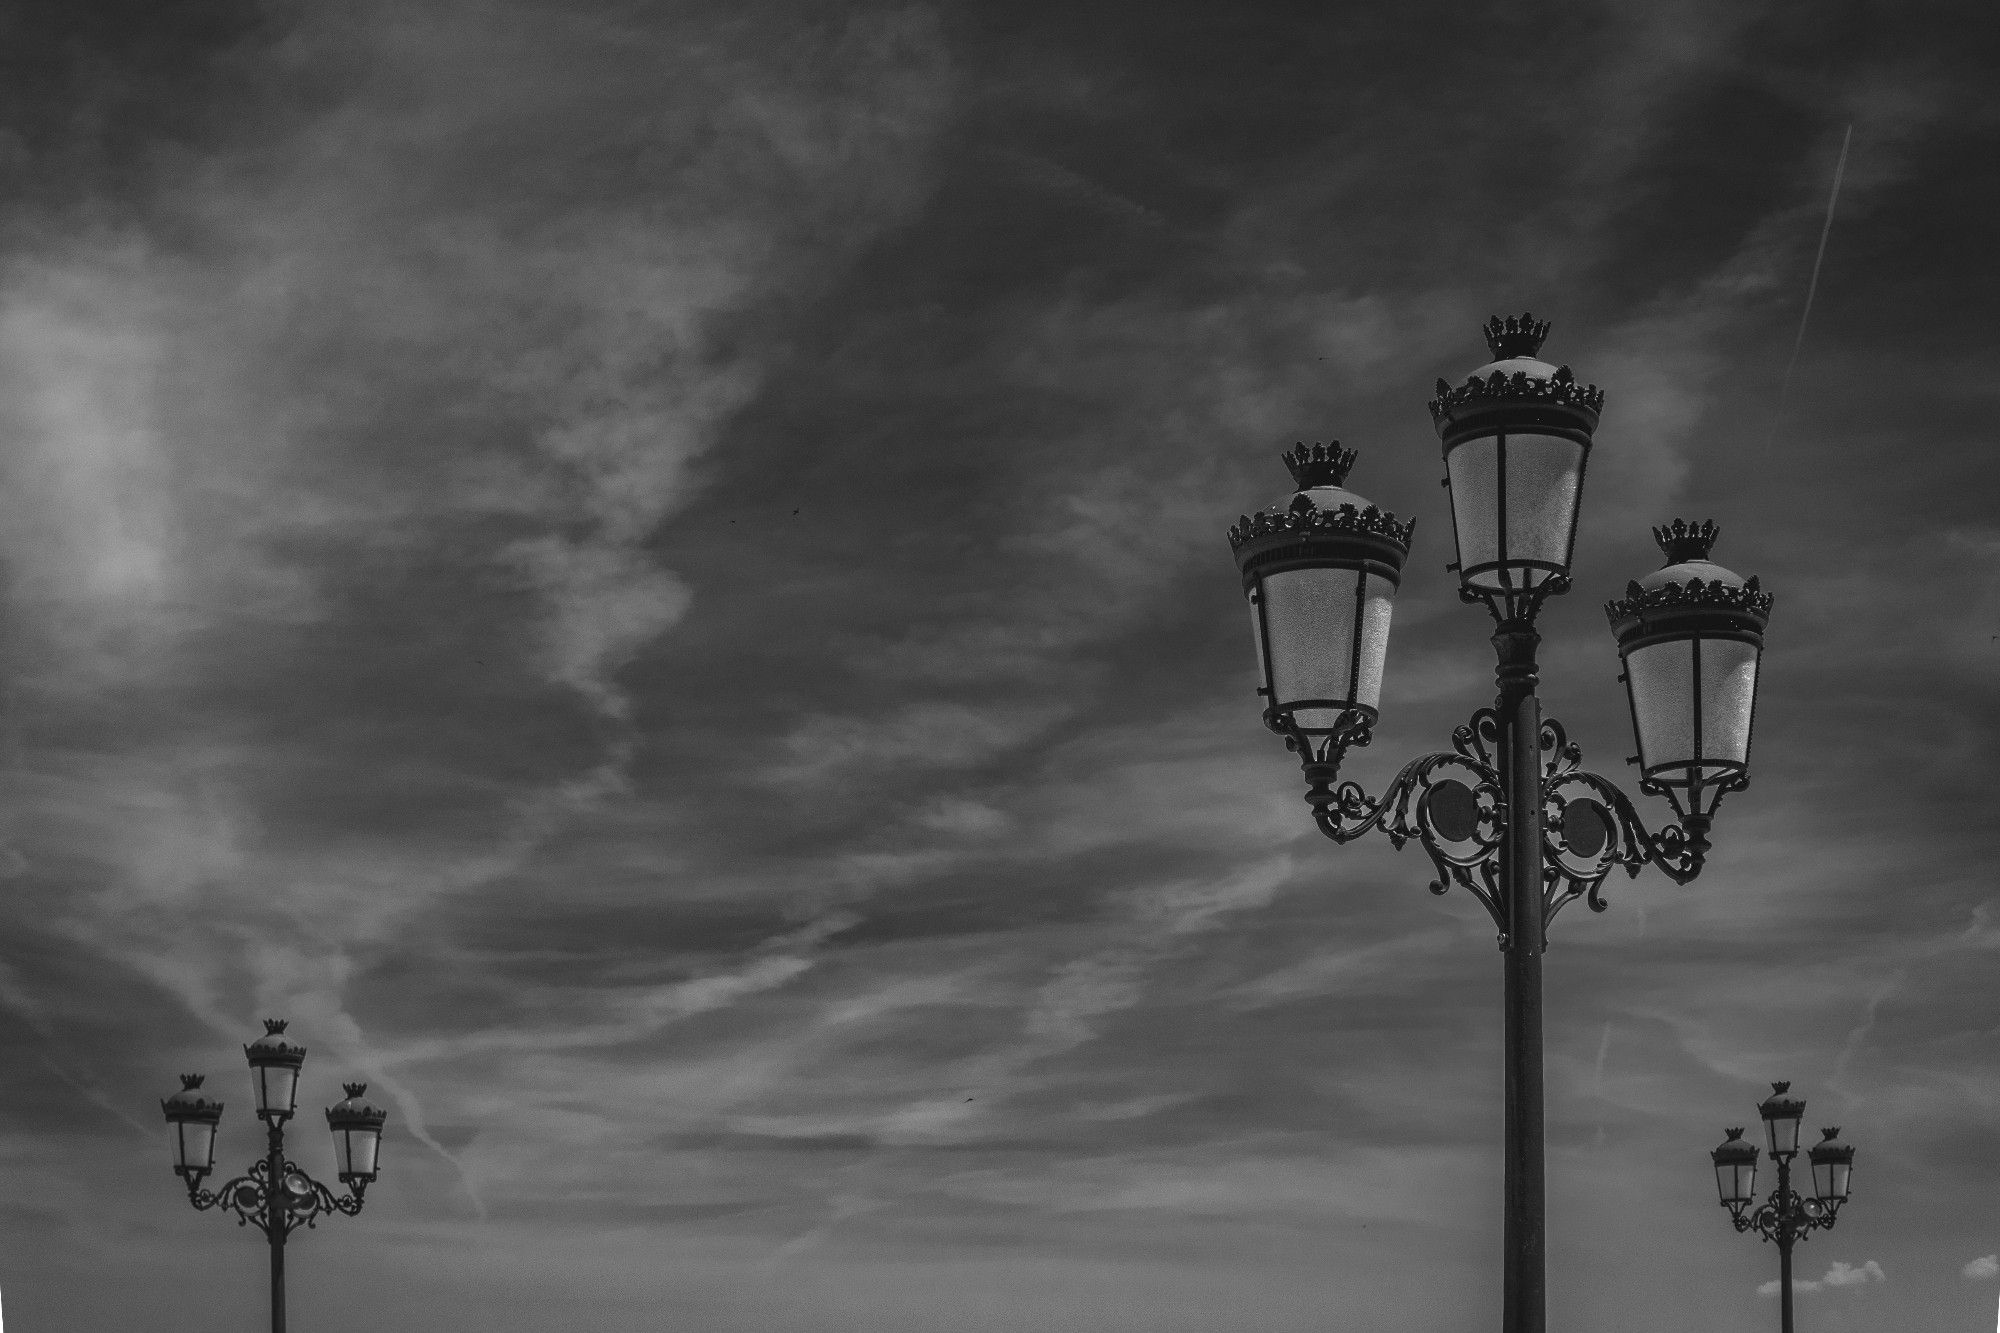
(1787,1216)
(248,1196)
(1454,804)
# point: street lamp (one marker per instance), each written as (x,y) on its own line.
(1509,814)
(1786,1216)
(275,1195)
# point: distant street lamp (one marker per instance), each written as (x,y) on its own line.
(275,1195)
(1786,1216)
(1508,815)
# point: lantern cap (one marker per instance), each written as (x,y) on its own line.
(355,1112)
(1513,336)
(1781,1105)
(1830,1148)
(1735,1148)
(274,1047)
(1516,390)
(190,1103)
(1689,581)
(1318,465)
(1320,509)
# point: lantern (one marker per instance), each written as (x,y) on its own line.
(1736,1170)
(192,1117)
(1781,1120)
(274,1070)
(1832,1164)
(1516,438)
(357,1134)
(1690,635)
(1321,571)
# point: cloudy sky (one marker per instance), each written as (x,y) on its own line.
(653,576)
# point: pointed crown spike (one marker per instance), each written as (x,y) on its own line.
(1515,336)
(1319,464)
(189,1082)
(1681,541)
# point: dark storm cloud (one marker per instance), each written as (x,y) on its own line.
(653,576)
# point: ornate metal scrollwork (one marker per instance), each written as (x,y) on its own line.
(1454,804)
(248,1196)
(1787,1216)
(1451,803)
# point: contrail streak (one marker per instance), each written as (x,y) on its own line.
(1812,287)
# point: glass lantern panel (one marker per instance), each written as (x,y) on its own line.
(276,1086)
(1377,606)
(1830,1179)
(1660,677)
(1728,687)
(1543,474)
(1311,617)
(1472,470)
(361,1149)
(1257,637)
(1782,1134)
(196,1145)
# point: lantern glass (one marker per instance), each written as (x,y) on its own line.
(355,1147)
(1781,1131)
(1830,1179)
(1660,677)
(1692,703)
(276,1087)
(194,1145)
(1323,637)
(1736,1182)
(1727,669)
(1513,507)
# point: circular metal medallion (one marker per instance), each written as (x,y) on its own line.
(246,1196)
(1452,809)
(1586,827)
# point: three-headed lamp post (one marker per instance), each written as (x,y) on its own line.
(1508,814)
(1786,1216)
(275,1196)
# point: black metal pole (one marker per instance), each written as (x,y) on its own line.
(1785,1241)
(1524,1295)
(274,1222)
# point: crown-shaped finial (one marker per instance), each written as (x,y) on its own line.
(1514,337)
(1780,1089)
(354,1089)
(1826,1133)
(1681,541)
(189,1082)
(1319,464)
(273,1026)
(1735,1133)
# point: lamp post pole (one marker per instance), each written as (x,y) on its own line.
(274,1222)
(274,1196)
(1786,1216)
(1508,814)
(1523,1291)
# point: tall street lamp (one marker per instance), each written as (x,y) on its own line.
(275,1195)
(1508,814)
(1786,1216)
